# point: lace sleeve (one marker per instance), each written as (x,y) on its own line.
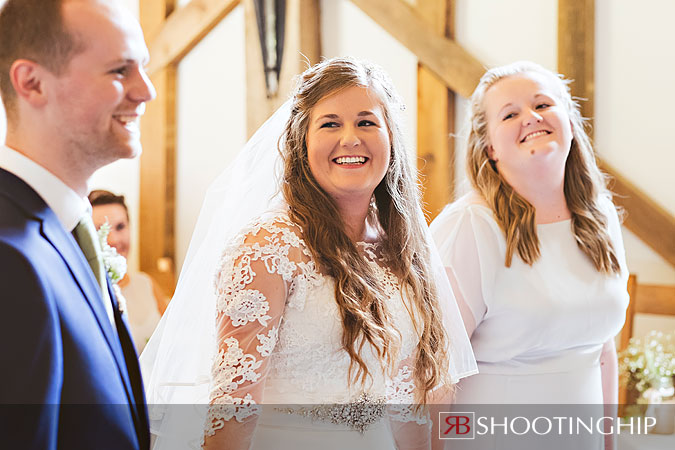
(252,286)
(411,427)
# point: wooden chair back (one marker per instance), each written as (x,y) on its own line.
(644,299)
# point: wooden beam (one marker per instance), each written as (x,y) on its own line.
(576,49)
(157,177)
(644,217)
(655,299)
(646,299)
(184,29)
(435,118)
(459,70)
(302,47)
(309,34)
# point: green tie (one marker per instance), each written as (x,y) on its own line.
(87,239)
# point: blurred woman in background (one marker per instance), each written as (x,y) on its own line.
(145,300)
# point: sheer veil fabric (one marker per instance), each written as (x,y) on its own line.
(176,363)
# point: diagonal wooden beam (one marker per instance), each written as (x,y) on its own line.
(655,299)
(184,29)
(644,217)
(459,70)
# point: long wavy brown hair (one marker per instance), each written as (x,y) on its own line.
(395,210)
(584,184)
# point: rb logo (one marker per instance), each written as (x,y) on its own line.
(456,425)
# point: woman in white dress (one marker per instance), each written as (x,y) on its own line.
(534,252)
(328,308)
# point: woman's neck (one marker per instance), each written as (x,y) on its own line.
(547,198)
(354,215)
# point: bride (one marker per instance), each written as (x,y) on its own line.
(329,306)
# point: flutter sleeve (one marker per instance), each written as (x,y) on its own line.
(252,286)
(471,247)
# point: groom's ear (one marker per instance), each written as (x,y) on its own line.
(28,80)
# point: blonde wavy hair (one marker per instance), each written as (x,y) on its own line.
(584,183)
(395,211)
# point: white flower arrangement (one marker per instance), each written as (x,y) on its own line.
(114,263)
(649,359)
(648,366)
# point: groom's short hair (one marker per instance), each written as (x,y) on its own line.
(34,30)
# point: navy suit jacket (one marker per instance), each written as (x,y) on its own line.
(67,380)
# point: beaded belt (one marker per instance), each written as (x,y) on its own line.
(358,415)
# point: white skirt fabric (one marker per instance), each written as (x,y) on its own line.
(579,386)
(557,407)
(282,431)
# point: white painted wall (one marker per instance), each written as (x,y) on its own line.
(211,118)
(499,32)
(635,67)
(634,97)
(347,31)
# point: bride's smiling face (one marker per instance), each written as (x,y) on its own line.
(348,145)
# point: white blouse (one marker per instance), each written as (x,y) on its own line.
(550,317)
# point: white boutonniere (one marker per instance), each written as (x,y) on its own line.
(114,263)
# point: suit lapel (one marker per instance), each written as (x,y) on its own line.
(25,198)
(65,244)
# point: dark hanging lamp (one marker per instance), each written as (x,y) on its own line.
(271,18)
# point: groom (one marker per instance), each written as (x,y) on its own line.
(73,85)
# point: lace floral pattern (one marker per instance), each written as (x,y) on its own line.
(267,342)
(400,390)
(247,306)
(237,408)
(283,344)
(400,395)
(235,366)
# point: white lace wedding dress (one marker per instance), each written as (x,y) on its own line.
(280,344)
